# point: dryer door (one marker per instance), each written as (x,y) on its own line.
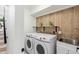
(28,44)
(40,48)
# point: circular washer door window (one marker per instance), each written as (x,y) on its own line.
(40,49)
(28,43)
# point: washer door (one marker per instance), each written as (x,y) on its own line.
(28,44)
(40,48)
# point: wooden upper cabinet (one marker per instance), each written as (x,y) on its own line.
(66,23)
(76,17)
(75,24)
(38,21)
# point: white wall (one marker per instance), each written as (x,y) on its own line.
(15,29)
(29,21)
(19,29)
(10,25)
(19,22)
(1,11)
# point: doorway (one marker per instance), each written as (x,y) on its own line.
(3,40)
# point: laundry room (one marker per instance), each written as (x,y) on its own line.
(55,30)
(39,29)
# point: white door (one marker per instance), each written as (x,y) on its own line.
(40,47)
(62,50)
(72,52)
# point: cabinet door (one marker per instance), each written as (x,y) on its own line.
(62,50)
(72,52)
(75,23)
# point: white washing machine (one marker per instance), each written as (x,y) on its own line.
(29,44)
(46,44)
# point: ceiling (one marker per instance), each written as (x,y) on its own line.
(30,6)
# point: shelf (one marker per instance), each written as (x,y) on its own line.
(44,27)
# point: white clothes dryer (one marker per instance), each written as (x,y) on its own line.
(46,44)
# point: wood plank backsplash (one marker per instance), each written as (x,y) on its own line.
(67,20)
